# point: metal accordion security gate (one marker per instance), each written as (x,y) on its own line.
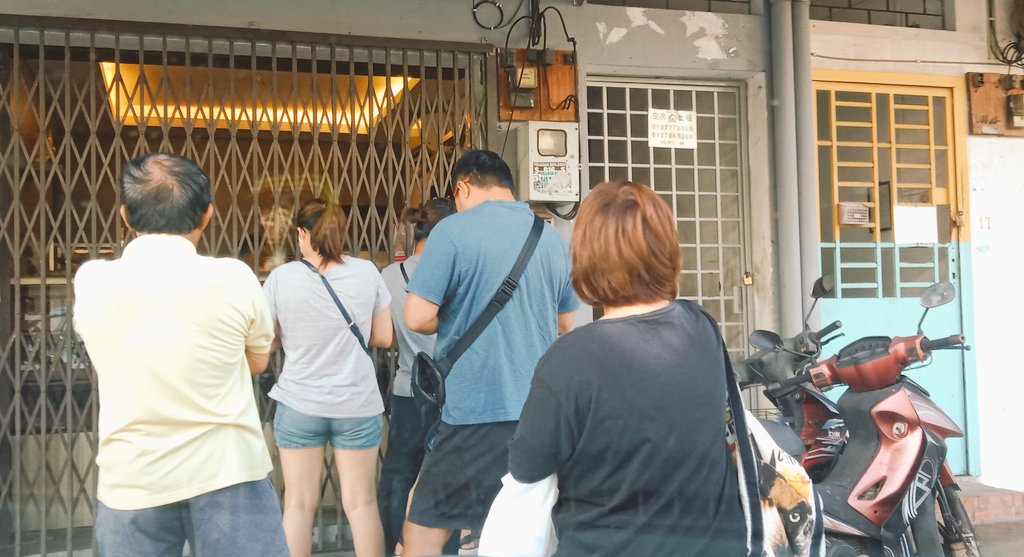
(274,120)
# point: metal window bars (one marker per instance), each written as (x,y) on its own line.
(705,186)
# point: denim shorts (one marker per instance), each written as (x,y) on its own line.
(295,430)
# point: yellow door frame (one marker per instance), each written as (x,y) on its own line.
(959,200)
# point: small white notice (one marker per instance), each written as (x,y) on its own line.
(675,129)
(550,181)
(915,224)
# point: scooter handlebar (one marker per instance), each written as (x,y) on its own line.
(828,330)
(779,388)
(940,343)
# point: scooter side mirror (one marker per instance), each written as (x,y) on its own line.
(823,286)
(766,340)
(938,294)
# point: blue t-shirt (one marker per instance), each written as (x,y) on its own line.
(466,258)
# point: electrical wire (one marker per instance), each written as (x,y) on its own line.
(519,81)
(564,216)
(501,24)
(1011,54)
(514,13)
(513,27)
(894,61)
(570,101)
(476,16)
(537,18)
(562,20)
(538,34)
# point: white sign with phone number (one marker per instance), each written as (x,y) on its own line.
(674,129)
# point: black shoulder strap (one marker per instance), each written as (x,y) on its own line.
(746,450)
(405,275)
(337,301)
(501,297)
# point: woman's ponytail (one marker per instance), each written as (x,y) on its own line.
(327,225)
(424,218)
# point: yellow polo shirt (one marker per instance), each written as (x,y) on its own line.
(167,331)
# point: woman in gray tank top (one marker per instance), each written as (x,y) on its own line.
(406,429)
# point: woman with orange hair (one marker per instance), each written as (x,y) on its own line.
(630,410)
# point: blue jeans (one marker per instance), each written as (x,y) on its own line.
(401,465)
(241,520)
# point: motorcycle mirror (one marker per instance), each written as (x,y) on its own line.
(938,294)
(766,340)
(823,286)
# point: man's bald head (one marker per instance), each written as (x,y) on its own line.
(164,194)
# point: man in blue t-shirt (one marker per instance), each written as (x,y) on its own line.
(467,257)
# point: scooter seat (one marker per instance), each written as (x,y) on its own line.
(784,437)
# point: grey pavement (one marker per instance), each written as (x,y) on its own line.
(998,539)
(1001,539)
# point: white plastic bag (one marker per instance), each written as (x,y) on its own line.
(519,522)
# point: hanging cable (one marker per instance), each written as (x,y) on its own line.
(570,101)
(562,20)
(496,5)
(535,28)
(1011,54)
(519,81)
(571,214)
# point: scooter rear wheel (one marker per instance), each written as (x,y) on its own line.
(850,547)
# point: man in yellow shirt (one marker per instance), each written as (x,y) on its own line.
(174,337)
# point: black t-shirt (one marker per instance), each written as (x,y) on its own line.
(630,413)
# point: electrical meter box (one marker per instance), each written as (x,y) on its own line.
(549,161)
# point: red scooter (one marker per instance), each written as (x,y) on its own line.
(880,497)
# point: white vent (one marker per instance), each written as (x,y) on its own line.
(854,214)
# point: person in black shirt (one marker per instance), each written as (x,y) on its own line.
(630,411)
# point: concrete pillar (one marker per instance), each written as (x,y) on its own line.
(786,174)
(807,151)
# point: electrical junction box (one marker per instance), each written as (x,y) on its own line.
(527,78)
(1015,99)
(549,161)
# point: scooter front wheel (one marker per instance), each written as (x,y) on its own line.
(960,540)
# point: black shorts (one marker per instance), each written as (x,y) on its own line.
(461,475)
